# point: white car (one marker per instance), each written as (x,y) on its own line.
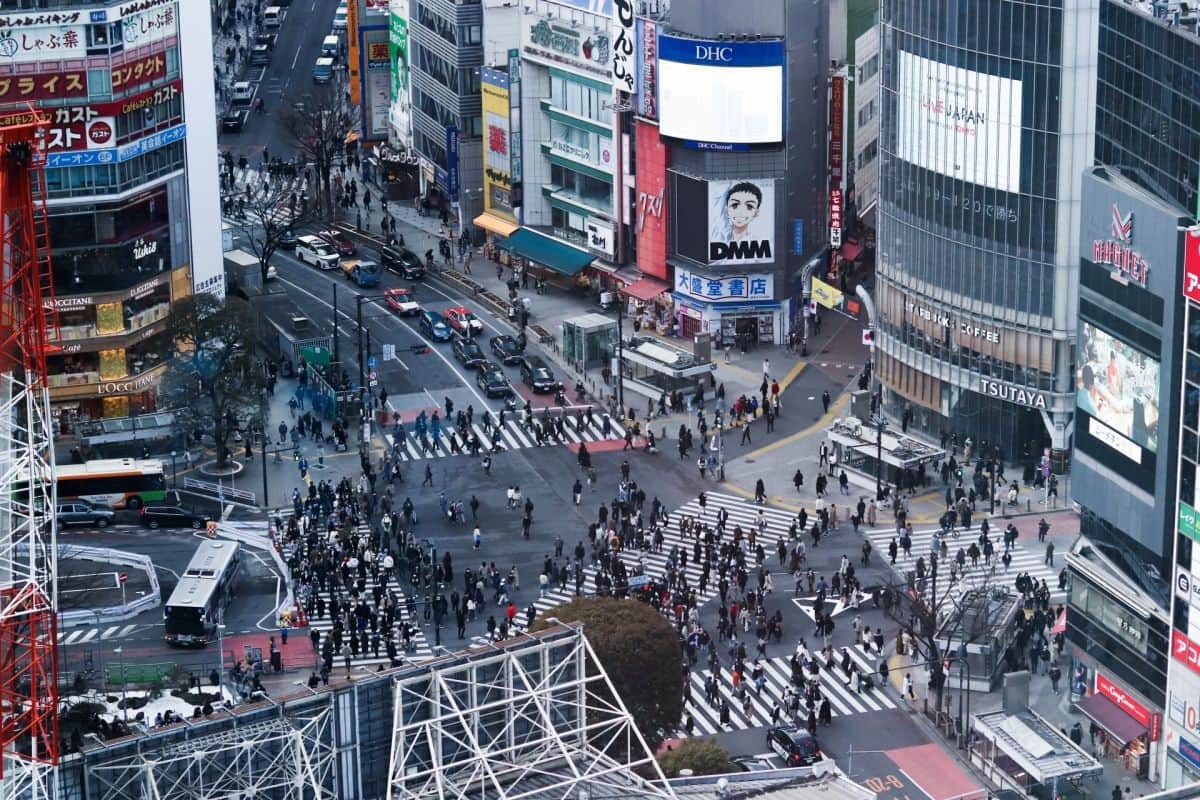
(318,252)
(341,18)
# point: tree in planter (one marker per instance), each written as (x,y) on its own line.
(265,215)
(214,378)
(701,756)
(318,126)
(640,652)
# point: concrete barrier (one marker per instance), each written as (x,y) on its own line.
(132,608)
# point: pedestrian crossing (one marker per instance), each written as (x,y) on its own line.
(1026,557)
(513,436)
(654,564)
(255,182)
(72,636)
(843,700)
(366,656)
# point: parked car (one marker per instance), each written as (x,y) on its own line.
(402,261)
(468,353)
(172,517)
(797,747)
(288,239)
(81,512)
(491,379)
(536,374)
(260,55)
(403,301)
(234,120)
(243,93)
(505,348)
(463,321)
(341,18)
(433,325)
(322,71)
(267,39)
(340,241)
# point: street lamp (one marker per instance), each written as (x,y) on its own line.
(124,697)
(174,477)
(880,424)
(221,659)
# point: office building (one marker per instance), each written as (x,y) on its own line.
(131,185)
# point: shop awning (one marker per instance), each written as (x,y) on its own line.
(496,225)
(547,251)
(850,251)
(645,289)
(1104,712)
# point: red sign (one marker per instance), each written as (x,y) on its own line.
(1155,726)
(139,71)
(649,217)
(835,217)
(44,86)
(122,577)
(1122,699)
(100,133)
(1185,650)
(837,110)
(1191,263)
(1118,251)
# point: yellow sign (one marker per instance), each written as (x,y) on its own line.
(352,51)
(497,147)
(825,294)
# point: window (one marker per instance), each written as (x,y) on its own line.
(472,34)
(868,153)
(866,113)
(869,69)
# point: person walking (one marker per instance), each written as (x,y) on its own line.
(826,400)
(798,480)
(746,431)
(908,686)
(1050,554)
(760,492)
(577,492)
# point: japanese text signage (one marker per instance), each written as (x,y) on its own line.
(837,110)
(1123,701)
(110,155)
(1185,650)
(53,37)
(623,71)
(149,26)
(44,86)
(725,288)
(647,83)
(42,43)
(139,71)
(835,217)
(1191,263)
(1118,251)
(558,42)
(452,162)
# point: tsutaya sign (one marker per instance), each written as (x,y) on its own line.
(1118,251)
(1012,393)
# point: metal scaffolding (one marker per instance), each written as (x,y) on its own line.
(534,718)
(280,758)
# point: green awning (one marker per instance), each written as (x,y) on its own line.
(547,251)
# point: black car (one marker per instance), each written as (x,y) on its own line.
(288,239)
(468,353)
(234,121)
(797,747)
(172,517)
(402,261)
(260,55)
(434,326)
(536,374)
(490,378)
(505,348)
(267,39)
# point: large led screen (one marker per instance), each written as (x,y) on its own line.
(720,92)
(741,222)
(960,123)
(1117,386)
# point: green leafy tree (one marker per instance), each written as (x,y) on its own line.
(215,383)
(639,649)
(701,756)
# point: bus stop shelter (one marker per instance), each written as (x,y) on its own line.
(1022,751)
(859,446)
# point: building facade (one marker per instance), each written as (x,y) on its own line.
(436,113)
(986,124)
(131,189)
(865,144)
(737,228)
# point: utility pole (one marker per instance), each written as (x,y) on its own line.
(879,423)
(358,301)
(336,360)
(620,355)
(265,441)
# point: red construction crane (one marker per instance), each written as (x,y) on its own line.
(29,740)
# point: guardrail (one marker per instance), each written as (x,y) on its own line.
(110,557)
(224,493)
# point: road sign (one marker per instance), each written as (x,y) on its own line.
(389,352)
(372,363)
(122,577)
(374,376)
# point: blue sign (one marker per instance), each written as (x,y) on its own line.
(100,15)
(726,287)
(452,161)
(797,237)
(720,53)
(372,363)
(1189,751)
(113,155)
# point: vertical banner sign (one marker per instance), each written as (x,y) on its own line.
(514,111)
(837,104)
(1191,263)
(352,51)
(398,56)
(835,218)
(623,47)
(452,161)
(647,82)
(797,237)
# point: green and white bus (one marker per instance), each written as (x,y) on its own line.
(117,482)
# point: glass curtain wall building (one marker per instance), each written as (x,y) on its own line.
(986,124)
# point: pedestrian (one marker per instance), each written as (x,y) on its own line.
(798,480)
(908,686)
(477,537)
(1050,554)
(577,492)
(746,431)
(428,476)
(826,400)
(1055,676)
(760,492)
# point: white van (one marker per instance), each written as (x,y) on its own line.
(330,46)
(316,251)
(272,16)
(341,18)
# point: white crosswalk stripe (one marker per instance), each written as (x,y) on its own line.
(366,657)
(1026,557)
(843,700)
(83,635)
(513,436)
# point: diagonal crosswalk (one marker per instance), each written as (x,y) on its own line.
(72,636)
(843,700)
(513,436)
(1026,557)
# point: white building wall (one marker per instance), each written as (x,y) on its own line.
(867,103)
(501,30)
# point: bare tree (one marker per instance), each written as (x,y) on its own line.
(214,370)
(319,126)
(266,212)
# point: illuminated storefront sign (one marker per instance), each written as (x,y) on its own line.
(1118,251)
